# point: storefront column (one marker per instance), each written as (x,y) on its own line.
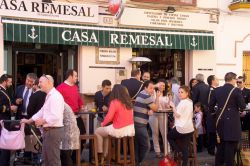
(1,48)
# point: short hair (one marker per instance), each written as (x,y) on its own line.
(174,80)
(199,77)
(210,79)
(243,78)
(4,77)
(69,72)
(135,72)
(36,82)
(230,76)
(49,78)
(146,83)
(106,83)
(32,76)
(198,104)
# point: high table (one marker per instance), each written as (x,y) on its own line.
(165,112)
(91,127)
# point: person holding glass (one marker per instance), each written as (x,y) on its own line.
(180,136)
(158,121)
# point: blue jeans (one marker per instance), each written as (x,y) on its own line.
(142,144)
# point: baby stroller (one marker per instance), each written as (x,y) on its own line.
(35,158)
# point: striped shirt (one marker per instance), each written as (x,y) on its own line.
(141,107)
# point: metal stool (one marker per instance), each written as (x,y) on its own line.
(93,138)
(125,142)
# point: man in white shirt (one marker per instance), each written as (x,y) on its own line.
(50,117)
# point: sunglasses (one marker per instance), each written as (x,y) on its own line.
(44,75)
(239,82)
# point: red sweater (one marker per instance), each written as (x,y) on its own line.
(119,115)
(71,96)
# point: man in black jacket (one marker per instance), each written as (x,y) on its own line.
(6,108)
(134,85)
(210,120)
(229,127)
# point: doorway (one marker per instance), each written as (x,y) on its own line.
(54,60)
(246,67)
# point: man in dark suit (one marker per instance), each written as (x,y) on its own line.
(210,121)
(134,85)
(23,94)
(6,108)
(229,127)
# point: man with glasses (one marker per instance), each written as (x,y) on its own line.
(50,117)
(23,94)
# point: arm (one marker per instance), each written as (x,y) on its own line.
(195,94)
(154,105)
(114,105)
(240,100)
(212,102)
(198,120)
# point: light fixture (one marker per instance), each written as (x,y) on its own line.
(170,9)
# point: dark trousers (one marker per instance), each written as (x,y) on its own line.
(180,143)
(200,143)
(66,159)
(4,157)
(51,146)
(225,153)
(141,143)
(211,142)
(82,129)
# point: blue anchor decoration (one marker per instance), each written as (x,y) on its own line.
(194,44)
(33,35)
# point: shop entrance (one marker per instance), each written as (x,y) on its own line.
(165,63)
(54,60)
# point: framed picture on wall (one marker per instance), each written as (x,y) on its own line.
(107,55)
(30,59)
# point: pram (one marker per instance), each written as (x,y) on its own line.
(35,159)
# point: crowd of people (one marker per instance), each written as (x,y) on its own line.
(216,115)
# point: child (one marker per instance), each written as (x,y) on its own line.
(198,116)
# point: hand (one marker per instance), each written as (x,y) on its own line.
(40,122)
(19,101)
(243,114)
(26,121)
(158,94)
(150,112)
(13,108)
(105,108)
(171,103)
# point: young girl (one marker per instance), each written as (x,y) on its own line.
(198,116)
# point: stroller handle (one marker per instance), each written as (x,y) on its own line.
(11,121)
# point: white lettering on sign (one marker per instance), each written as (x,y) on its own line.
(50,11)
(67,35)
(161,19)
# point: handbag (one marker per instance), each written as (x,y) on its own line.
(12,140)
(223,109)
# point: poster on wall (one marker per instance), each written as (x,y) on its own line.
(107,56)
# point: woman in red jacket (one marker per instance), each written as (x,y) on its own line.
(120,113)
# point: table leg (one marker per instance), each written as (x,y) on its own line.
(91,131)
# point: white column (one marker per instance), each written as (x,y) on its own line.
(1,48)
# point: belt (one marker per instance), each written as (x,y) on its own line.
(50,128)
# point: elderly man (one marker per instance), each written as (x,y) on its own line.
(50,117)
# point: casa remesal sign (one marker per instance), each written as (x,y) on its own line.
(49,11)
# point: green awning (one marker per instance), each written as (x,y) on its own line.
(68,34)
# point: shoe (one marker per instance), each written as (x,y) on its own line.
(211,153)
(158,155)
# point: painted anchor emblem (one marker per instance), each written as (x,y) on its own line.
(194,44)
(33,34)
